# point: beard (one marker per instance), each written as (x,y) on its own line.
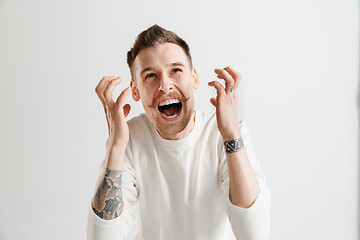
(171,129)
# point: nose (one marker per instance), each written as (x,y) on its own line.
(165,84)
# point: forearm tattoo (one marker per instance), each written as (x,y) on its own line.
(108,202)
(234,145)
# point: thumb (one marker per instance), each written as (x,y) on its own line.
(121,99)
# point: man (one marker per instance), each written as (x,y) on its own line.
(187,170)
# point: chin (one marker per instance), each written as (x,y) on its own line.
(173,124)
(170,113)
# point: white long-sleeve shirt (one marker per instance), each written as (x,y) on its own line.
(181,188)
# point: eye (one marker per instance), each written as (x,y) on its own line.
(150,75)
(175,70)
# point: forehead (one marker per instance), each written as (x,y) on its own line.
(160,56)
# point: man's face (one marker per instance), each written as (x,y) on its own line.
(164,82)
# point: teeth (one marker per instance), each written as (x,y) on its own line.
(168,102)
(169,117)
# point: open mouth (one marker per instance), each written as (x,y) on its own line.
(170,108)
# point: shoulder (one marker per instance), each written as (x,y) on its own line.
(140,119)
(139,127)
(206,119)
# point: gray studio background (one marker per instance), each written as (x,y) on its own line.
(299,95)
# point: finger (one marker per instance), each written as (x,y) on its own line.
(101,86)
(219,88)
(109,90)
(103,83)
(121,99)
(108,124)
(99,91)
(235,75)
(229,81)
(213,101)
(126,108)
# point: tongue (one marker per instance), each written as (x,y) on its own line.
(170,111)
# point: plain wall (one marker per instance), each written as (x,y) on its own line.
(299,95)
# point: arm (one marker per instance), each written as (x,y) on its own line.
(108,201)
(115,218)
(247,222)
(244,187)
(249,199)
(110,215)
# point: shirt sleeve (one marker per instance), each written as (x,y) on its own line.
(251,223)
(117,228)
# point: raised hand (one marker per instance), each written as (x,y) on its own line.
(226,103)
(115,111)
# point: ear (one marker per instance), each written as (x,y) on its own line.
(195,76)
(134,91)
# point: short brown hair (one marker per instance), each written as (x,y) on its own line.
(151,37)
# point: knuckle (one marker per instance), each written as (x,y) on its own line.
(234,71)
(237,74)
(106,92)
(98,89)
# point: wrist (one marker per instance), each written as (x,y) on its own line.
(116,158)
(234,145)
(118,144)
(231,135)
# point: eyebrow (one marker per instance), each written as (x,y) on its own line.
(171,64)
(177,64)
(145,70)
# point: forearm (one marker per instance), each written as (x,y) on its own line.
(244,187)
(108,202)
